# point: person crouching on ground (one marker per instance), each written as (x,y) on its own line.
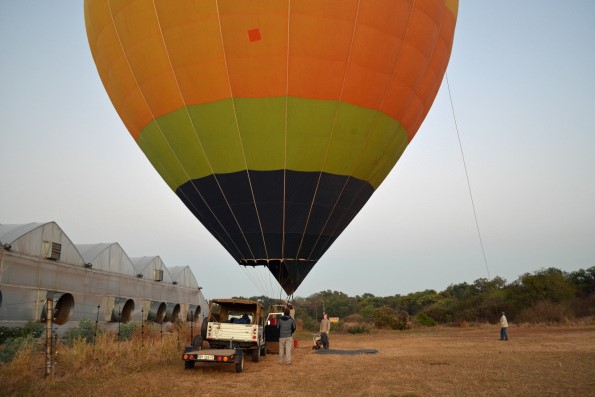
(325,329)
(286,327)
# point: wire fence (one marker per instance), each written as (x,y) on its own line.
(95,343)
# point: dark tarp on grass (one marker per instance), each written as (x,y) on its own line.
(347,352)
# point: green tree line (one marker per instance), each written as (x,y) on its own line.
(545,296)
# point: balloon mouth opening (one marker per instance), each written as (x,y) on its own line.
(274,261)
(289,272)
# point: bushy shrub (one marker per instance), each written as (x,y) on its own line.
(354,318)
(584,307)
(7,333)
(34,328)
(13,345)
(403,320)
(311,325)
(358,329)
(367,313)
(442,311)
(127,331)
(545,312)
(425,320)
(31,328)
(385,317)
(84,331)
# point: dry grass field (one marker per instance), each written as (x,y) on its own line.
(471,361)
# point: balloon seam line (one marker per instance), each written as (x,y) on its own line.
(339,106)
(379,110)
(240,134)
(196,131)
(159,126)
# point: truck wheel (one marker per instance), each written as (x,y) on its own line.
(256,354)
(240,364)
(188,364)
(263,350)
(197,342)
(203,328)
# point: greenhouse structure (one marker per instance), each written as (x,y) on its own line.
(97,282)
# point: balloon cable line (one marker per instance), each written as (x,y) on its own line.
(179,161)
(242,145)
(334,123)
(256,281)
(359,161)
(285,133)
(262,279)
(467,176)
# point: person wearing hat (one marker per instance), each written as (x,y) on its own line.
(503,327)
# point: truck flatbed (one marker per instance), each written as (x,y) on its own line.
(223,356)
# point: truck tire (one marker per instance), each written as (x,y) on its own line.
(256,354)
(240,364)
(188,364)
(203,328)
(197,342)
(263,350)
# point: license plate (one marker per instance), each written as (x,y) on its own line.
(205,357)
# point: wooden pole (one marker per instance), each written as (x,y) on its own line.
(142,327)
(95,333)
(191,326)
(48,336)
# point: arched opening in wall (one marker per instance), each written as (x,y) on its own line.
(172,312)
(123,309)
(157,312)
(193,313)
(63,307)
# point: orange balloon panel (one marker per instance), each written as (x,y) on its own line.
(379,54)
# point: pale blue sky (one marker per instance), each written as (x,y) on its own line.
(522,80)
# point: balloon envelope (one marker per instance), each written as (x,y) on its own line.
(273,121)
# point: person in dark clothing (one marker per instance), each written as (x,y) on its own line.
(286,327)
(244,320)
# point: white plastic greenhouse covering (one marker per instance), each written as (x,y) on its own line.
(107,256)
(151,267)
(88,281)
(183,276)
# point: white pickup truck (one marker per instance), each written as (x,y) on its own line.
(233,328)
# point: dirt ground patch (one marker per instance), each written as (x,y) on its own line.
(471,361)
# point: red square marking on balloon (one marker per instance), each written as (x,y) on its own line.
(254,34)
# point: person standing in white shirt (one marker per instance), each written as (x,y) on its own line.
(503,327)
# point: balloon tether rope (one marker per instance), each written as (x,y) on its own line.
(467,176)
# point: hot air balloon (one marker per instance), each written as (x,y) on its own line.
(274,121)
